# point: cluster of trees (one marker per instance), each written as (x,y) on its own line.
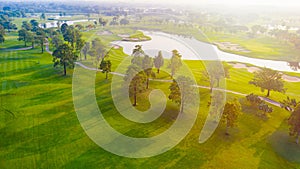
(286,36)
(32,33)
(67,51)
(6,10)
(6,24)
(117,21)
(260,104)
(140,71)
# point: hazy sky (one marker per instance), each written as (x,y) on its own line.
(228,2)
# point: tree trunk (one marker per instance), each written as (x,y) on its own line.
(158,71)
(147,83)
(42,46)
(84,56)
(65,69)
(25,42)
(268,93)
(134,95)
(32,45)
(227,128)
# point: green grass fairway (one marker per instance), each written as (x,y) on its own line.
(41,130)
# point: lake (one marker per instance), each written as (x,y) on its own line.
(192,49)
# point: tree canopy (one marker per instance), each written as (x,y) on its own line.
(294,123)
(175,62)
(159,61)
(268,79)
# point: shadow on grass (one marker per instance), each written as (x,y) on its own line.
(285,146)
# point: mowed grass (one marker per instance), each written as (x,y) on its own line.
(39,127)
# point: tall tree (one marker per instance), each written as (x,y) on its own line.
(63,28)
(23,36)
(41,38)
(147,67)
(98,49)
(182,91)
(2,39)
(64,56)
(294,123)
(102,22)
(86,49)
(27,26)
(43,16)
(30,38)
(2,33)
(231,112)
(79,45)
(159,61)
(34,25)
(214,74)
(138,54)
(268,79)
(175,63)
(135,78)
(105,67)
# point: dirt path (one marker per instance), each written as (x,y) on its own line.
(18,49)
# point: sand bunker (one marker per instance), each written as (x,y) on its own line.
(254,69)
(231,47)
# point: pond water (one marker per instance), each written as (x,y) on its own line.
(54,23)
(192,49)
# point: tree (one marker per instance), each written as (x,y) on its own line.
(158,61)
(79,27)
(182,90)
(64,56)
(43,16)
(86,49)
(136,79)
(35,25)
(268,79)
(2,39)
(23,36)
(124,21)
(63,28)
(30,38)
(294,123)
(231,112)
(2,30)
(137,54)
(175,63)
(105,67)
(214,73)
(102,22)
(27,26)
(98,49)
(56,41)
(79,45)
(147,65)
(2,33)
(41,38)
